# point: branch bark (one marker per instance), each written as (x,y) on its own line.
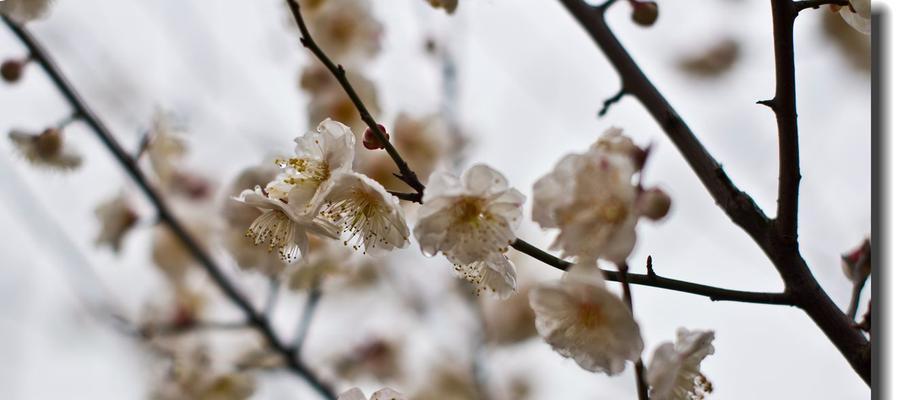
(780,248)
(166,216)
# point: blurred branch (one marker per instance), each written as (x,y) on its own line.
(653,280)
(308,311)
(775,239)
(258,321)
(405,173)
(641,385)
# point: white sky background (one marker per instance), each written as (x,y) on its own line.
(531,82)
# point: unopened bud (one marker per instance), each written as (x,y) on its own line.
(644,13)
(49,142)
(655,204)
(371,141)
(11,70)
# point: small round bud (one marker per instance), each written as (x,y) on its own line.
(654,204)
(371,141)
(11,70)
(49,142)
(644,13)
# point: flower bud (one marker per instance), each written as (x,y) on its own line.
(49,142)
(644,13)
(654,204)
(371,141)
(11,70)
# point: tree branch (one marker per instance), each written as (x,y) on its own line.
(258,321)
(405,173)
(653,280)
(641,386)
(800,284)
(803,5)
(308,311)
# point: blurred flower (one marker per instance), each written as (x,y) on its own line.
(472,220)
(192,377)
(24,10)
(379,358)
(320,155)
(675,370)
(281,227)
(166,147)
(854,46)
(448,5)
(382,394)
(857,264)
(170,254)
(509,321)
(583,320)
(370,216)
(714,61)
(117,217)
(590,197)
(326,259)
(450,381)
(178,315)
(46,149)
(238,216)
(329,99)
(345,29)
(858,15)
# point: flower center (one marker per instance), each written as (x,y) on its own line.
(613,211)
(306,170)
(273,227)
(590,315)
(469,209)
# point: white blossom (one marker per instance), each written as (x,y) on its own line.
(591,198)
(581,319)
(166,147)
(117,217)
(345,29)
(858,14)
(495,275)
(238,216)
(468,219)
(382,394)
(46,149)
(675,369)
(281,227)
(24,10)
(321,154)
(369,216)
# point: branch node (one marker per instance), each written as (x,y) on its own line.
(611,101)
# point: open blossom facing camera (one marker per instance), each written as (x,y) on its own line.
(584,321)
(320,155)
(370,216)
(382,394)
(46,149)
(24,10)
(675,369)
(590,197)
(471,220)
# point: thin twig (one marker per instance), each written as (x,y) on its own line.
(605,107)
(855,299)
(711,292)
(308,311)
(259,322)
(405,173)
(641,385)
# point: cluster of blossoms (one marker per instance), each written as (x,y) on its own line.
(24,10)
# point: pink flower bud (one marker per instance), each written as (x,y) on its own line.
(654,204)
(371,141)
(11,70)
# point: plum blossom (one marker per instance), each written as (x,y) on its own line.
(471,220)
(281,227)
(117,217)
(675,369)
(238,216)
(321,154)
(581,319)
(46,149)
(591,198)
(382,394)
(345,29)
(370,216)
(192,376)
(166,147)
(24,10)
(858,14)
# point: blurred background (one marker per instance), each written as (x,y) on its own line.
(513,84)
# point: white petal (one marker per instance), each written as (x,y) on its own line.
(352,394)
(482,180)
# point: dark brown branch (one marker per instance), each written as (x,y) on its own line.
(405,173)
(803,5)
(258,321)
(605,107)
(800,284)
(653,280)
(784,104)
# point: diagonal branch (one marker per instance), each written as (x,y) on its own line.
(405,173)
(256,320)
